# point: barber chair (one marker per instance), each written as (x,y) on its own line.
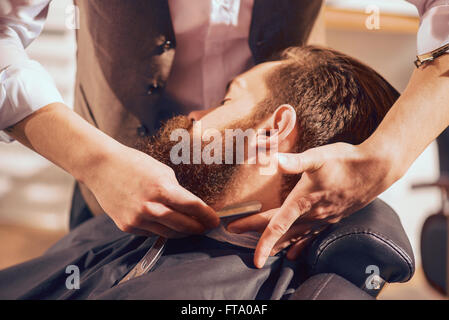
(355,258)
(434,233)
(435,240)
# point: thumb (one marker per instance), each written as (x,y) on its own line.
(295,163)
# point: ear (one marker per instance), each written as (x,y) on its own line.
(278,130)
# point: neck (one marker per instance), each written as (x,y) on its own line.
(248,185)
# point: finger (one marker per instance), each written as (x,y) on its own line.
(295,163)
(280,223)
(150,229)
(277,227)
(279,246)
(185,202)
(171,219)
(256,222)
(140,232)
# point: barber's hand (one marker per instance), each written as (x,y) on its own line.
(142,196)
(337,180)
(299,233)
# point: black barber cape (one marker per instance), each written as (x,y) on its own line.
(195,267)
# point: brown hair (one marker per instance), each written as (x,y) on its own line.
(336,97)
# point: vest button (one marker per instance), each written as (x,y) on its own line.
(142,131)
(164,47)
(152,88)
(167,45)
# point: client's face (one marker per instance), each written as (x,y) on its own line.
(243,94)
(210,181)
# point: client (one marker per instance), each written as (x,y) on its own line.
(308,97)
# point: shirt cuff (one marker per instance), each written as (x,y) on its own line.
(24,88)
(434,29)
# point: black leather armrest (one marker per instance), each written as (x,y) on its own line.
(373,236)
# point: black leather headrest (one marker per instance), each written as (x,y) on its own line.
(373,236)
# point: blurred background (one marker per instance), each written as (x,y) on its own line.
(35,195)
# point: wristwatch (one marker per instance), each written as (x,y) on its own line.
(430,56)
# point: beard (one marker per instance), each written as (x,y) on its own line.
(209,182)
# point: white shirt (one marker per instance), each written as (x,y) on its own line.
(211,49)
(434,28)
(26,87)
(24,84)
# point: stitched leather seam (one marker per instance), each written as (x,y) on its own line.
(322,286)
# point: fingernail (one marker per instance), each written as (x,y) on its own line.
(259,263)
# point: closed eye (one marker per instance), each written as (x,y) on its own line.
(225,100)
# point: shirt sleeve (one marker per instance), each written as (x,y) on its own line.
(434,28)
(25,86)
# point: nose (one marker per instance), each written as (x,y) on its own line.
(198,114)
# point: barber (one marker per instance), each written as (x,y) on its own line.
(340,178)
(138,62)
